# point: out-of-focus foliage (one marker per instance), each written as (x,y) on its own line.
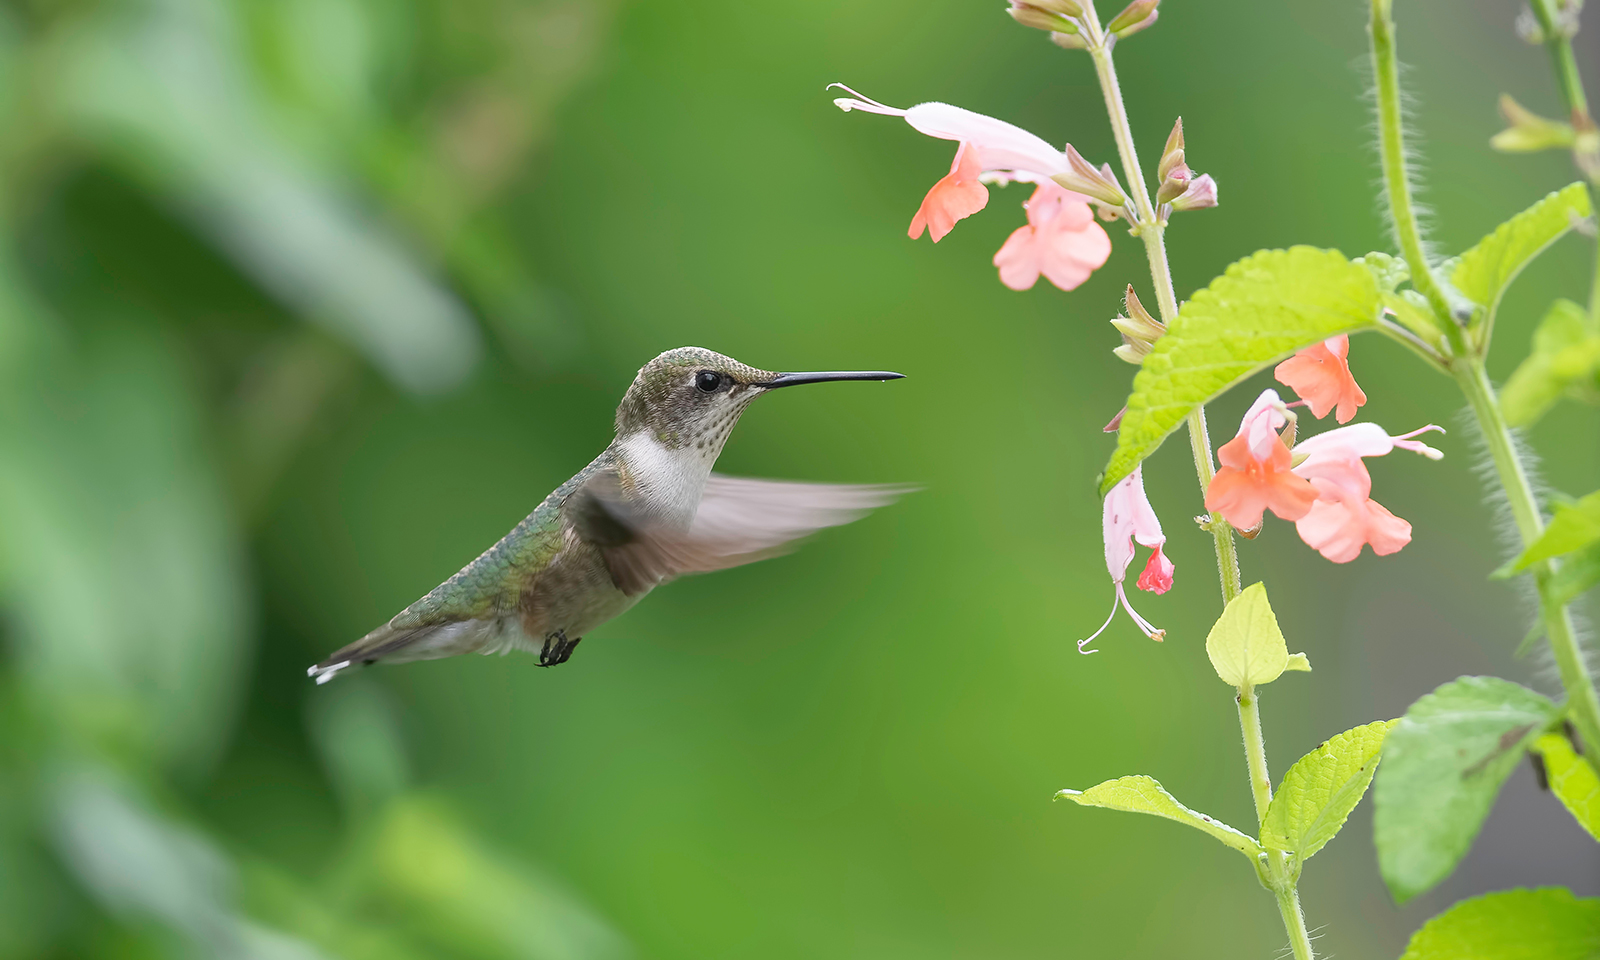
(328,174)
(305,302)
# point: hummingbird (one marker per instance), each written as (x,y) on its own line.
(646,510)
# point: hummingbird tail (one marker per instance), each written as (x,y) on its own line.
(392,644)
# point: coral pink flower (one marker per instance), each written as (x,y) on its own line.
(1128,518)
(1345,517)
(1255,474)
(1061,240)
(1320,374)
(956,196)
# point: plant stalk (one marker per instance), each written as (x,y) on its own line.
(1559,44)
(1152,232)
(1392,151)
(1583,705)
(1155,246)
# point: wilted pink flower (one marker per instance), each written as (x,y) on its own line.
(1061,240)
(1128,518)
(1320,374)
(1345,517)
(1202,193)
(1255,475)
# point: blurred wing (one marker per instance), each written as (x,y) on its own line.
(739,521)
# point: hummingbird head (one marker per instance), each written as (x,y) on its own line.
(690,398)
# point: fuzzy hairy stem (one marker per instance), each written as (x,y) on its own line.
(1559,44)
(1583,704)
(1392,151)
(1277,875)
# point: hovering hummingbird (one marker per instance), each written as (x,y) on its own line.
(646,510)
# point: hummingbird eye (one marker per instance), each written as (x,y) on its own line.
(707,381)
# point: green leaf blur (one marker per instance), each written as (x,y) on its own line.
(1547,924)
(1444,762)
(1564,360)
(1571,779)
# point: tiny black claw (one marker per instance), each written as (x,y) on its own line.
(557,649)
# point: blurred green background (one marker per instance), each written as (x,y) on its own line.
(306,302)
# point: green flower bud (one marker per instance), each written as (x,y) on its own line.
(1031,16)
(1528,131)
(1134,17)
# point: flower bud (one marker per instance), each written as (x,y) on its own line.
(1528,131)
(1202,193)
(1066,8)
(1085,179)
(1134,17)
(1175,183)
(1069,41)
(1139,329)
(1172,153)
(1030,15)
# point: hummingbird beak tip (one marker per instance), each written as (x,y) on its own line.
(795,379)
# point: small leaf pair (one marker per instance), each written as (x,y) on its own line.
(1310,807)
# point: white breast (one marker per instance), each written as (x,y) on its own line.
(670,480)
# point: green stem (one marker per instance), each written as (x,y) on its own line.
(1392,150)
(1583,705)
(1295,922)
(1558,42)
(1153,233)
(1255,752)
(1155,247)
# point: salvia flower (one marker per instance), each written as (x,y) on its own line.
(1321,375)
(1345,517)
(1255,475)
(1129,519)
(1061,241)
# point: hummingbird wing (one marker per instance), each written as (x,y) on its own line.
(739,521)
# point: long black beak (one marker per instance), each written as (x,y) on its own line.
(794,379)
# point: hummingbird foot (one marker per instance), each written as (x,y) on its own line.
(557,649)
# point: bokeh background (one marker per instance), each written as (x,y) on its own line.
(303,303)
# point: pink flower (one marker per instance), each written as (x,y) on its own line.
(1320,374)
(956,196)
(1201,193)
(1128,518)
(1061,240)
(1255,475)
(1345,517)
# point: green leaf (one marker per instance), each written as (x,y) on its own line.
(1264,308)
(1245,645)
(1579,572)
(1483,273)
(1321,789)
(1574,526)
(1544,924)
(1564,355)
(1141,794)
(1443,764)
(1572,780)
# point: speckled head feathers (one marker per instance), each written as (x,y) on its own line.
(690,396)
